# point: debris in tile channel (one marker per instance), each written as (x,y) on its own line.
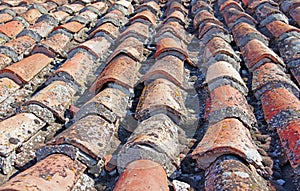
(179,95)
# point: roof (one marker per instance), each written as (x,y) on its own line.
(149,95)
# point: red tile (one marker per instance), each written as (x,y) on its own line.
(230,4)
(43,28)
(168,67)
(204,17)
(57,97)
(78,67)
(170,44)
(31,15)
(122,70)
(227,137)
(136,29)
(72,26)
(21,44)
(255,51)
(236,175)
(277,101)
(205,28)
(24,70)
(277,28)
(12,28)
(56,172)
(59,15)
(232,15)
(7,87)
(97,46)
(4,61)
(161,96)
(289,136)
(131,47)
(14,131)
(175,6)
(4,17)
(107,28)
(145,15)
(295,14)
(91,135)
(176,15)
(143,175)
(174,28)
(227,102)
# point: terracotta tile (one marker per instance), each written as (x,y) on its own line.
(42,28)
(255,4)
(270,76)
(124,6)
(7,87)
(173,27)
(60,2)
(72,26)
(77,67)
(21,44)
(200,6)
(12,28)
(107,28)
(19,9)
(16,130)
(138,30)
(245,32)
(175,6)
(49,6)
(161,96)
(287,6)
(122,70)
(89,15)
(232,17)
(151,140)
(53,45)
(227,102)
(296,74)
(216,46)
(295,14)
(265,10)
(150,5)
(59,15)
(91,135)
(277,28)
(213,30)
(145,15)
(72,8)
(100,6)
(97,46)
(221,73)
(170,44)
(289,49)
(289,136)
(230,4)
(228,136)
(255,51)
(4,17)
(204,17)
(143,175)
(56,172)
(168,67)
(4,61)
(177,16)
(31,15)
(57,97)
(23,71)
(236,175)
(277,101)
(115,17)
(131,47)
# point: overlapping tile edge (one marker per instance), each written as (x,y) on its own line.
(71,65)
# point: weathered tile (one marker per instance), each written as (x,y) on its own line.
(124,6)
(131,47)
(255,51)
(56,172)
(138,30)
(7,87)
(145,15)
(72,8)
(107,28)
(59,15)
(4,61)
(235,176)
(175,6)
(161,96)
(233,16)
(287,6)
(227,102)
(296,74)
(262,11)
(289,49)
(91,135)
(210,30)
(176,16)
(16,130)
(122,70)
(4,17)
(115,17)
(150,5)
(60,2)
(151,140)
(270,76)
(49,6)
(12,28)
(200,6)
(170,44)
(143,175)
(20,45)
(204,17)
(289,136)
(295,14)
(31,15)
(57,96)
(230,4)
(228,136)
(72,26)
(277,28)
(89,15)
(171,29)
(100,6)
(168,67)
(23,71)
(277,101)
(42,28)
(222,73)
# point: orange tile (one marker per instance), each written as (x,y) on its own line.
(7,87)
(295,14)
(161,96)
(14,131)
(254,4)
(255,51)
(91,135)
(107,28)
(145,15)
(176,15)
(24,70)
(277,101)
(289,136)
(122,70)
(168,67)
(12,28)
(56,172)
(60,2)
(150,5)
(227,137)
(31,15)
(57,97)
(277,28)
(4,17)
(143,175)
(227,102)
(204,17)
(232,15)
(170,44)
(72,26)
(230,4)
(21,44)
